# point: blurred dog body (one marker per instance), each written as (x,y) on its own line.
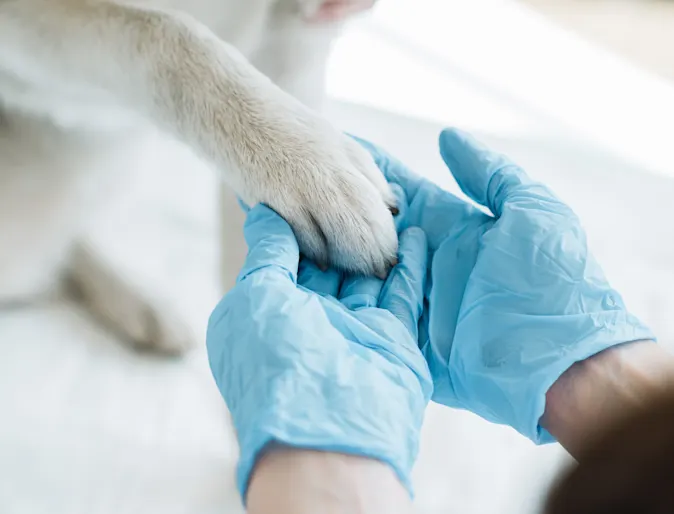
(82,82)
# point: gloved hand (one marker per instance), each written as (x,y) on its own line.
(514,299)
(312,371)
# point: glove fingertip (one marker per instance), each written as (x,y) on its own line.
(450,134)
(414,234)
(458,152)
(458,141)
(262,217)
(271,242)
(448,140)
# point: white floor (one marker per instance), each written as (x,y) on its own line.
(88,425)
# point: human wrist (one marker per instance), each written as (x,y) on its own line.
(288,480)
(593,393)
(336,421)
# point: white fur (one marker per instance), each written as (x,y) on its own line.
(96,68)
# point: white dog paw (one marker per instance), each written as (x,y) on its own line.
(330,191)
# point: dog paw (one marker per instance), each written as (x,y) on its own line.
(330,191)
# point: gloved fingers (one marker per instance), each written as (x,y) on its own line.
(321,282)
(436,206)
(358,292)
(403,292)
(271,243)
(394,170)
(486,176)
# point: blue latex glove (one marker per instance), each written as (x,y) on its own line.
(514,299)
(313,371)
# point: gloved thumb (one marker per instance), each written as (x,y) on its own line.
(403,292)
(488,177)
(271,244)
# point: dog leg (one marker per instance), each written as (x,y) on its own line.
(293,54)
(174,72)
(50,183)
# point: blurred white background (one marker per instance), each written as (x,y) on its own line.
(90,426)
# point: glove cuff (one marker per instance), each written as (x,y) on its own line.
(514,394)
(583,351)
(376,411)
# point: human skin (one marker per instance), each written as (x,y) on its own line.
(586,398)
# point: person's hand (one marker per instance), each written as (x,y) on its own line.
(338,371)
(515,299)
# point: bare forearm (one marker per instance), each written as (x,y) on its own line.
(288,481)
(594,393)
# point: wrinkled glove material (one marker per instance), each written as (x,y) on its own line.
(515,298)
(307,370)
